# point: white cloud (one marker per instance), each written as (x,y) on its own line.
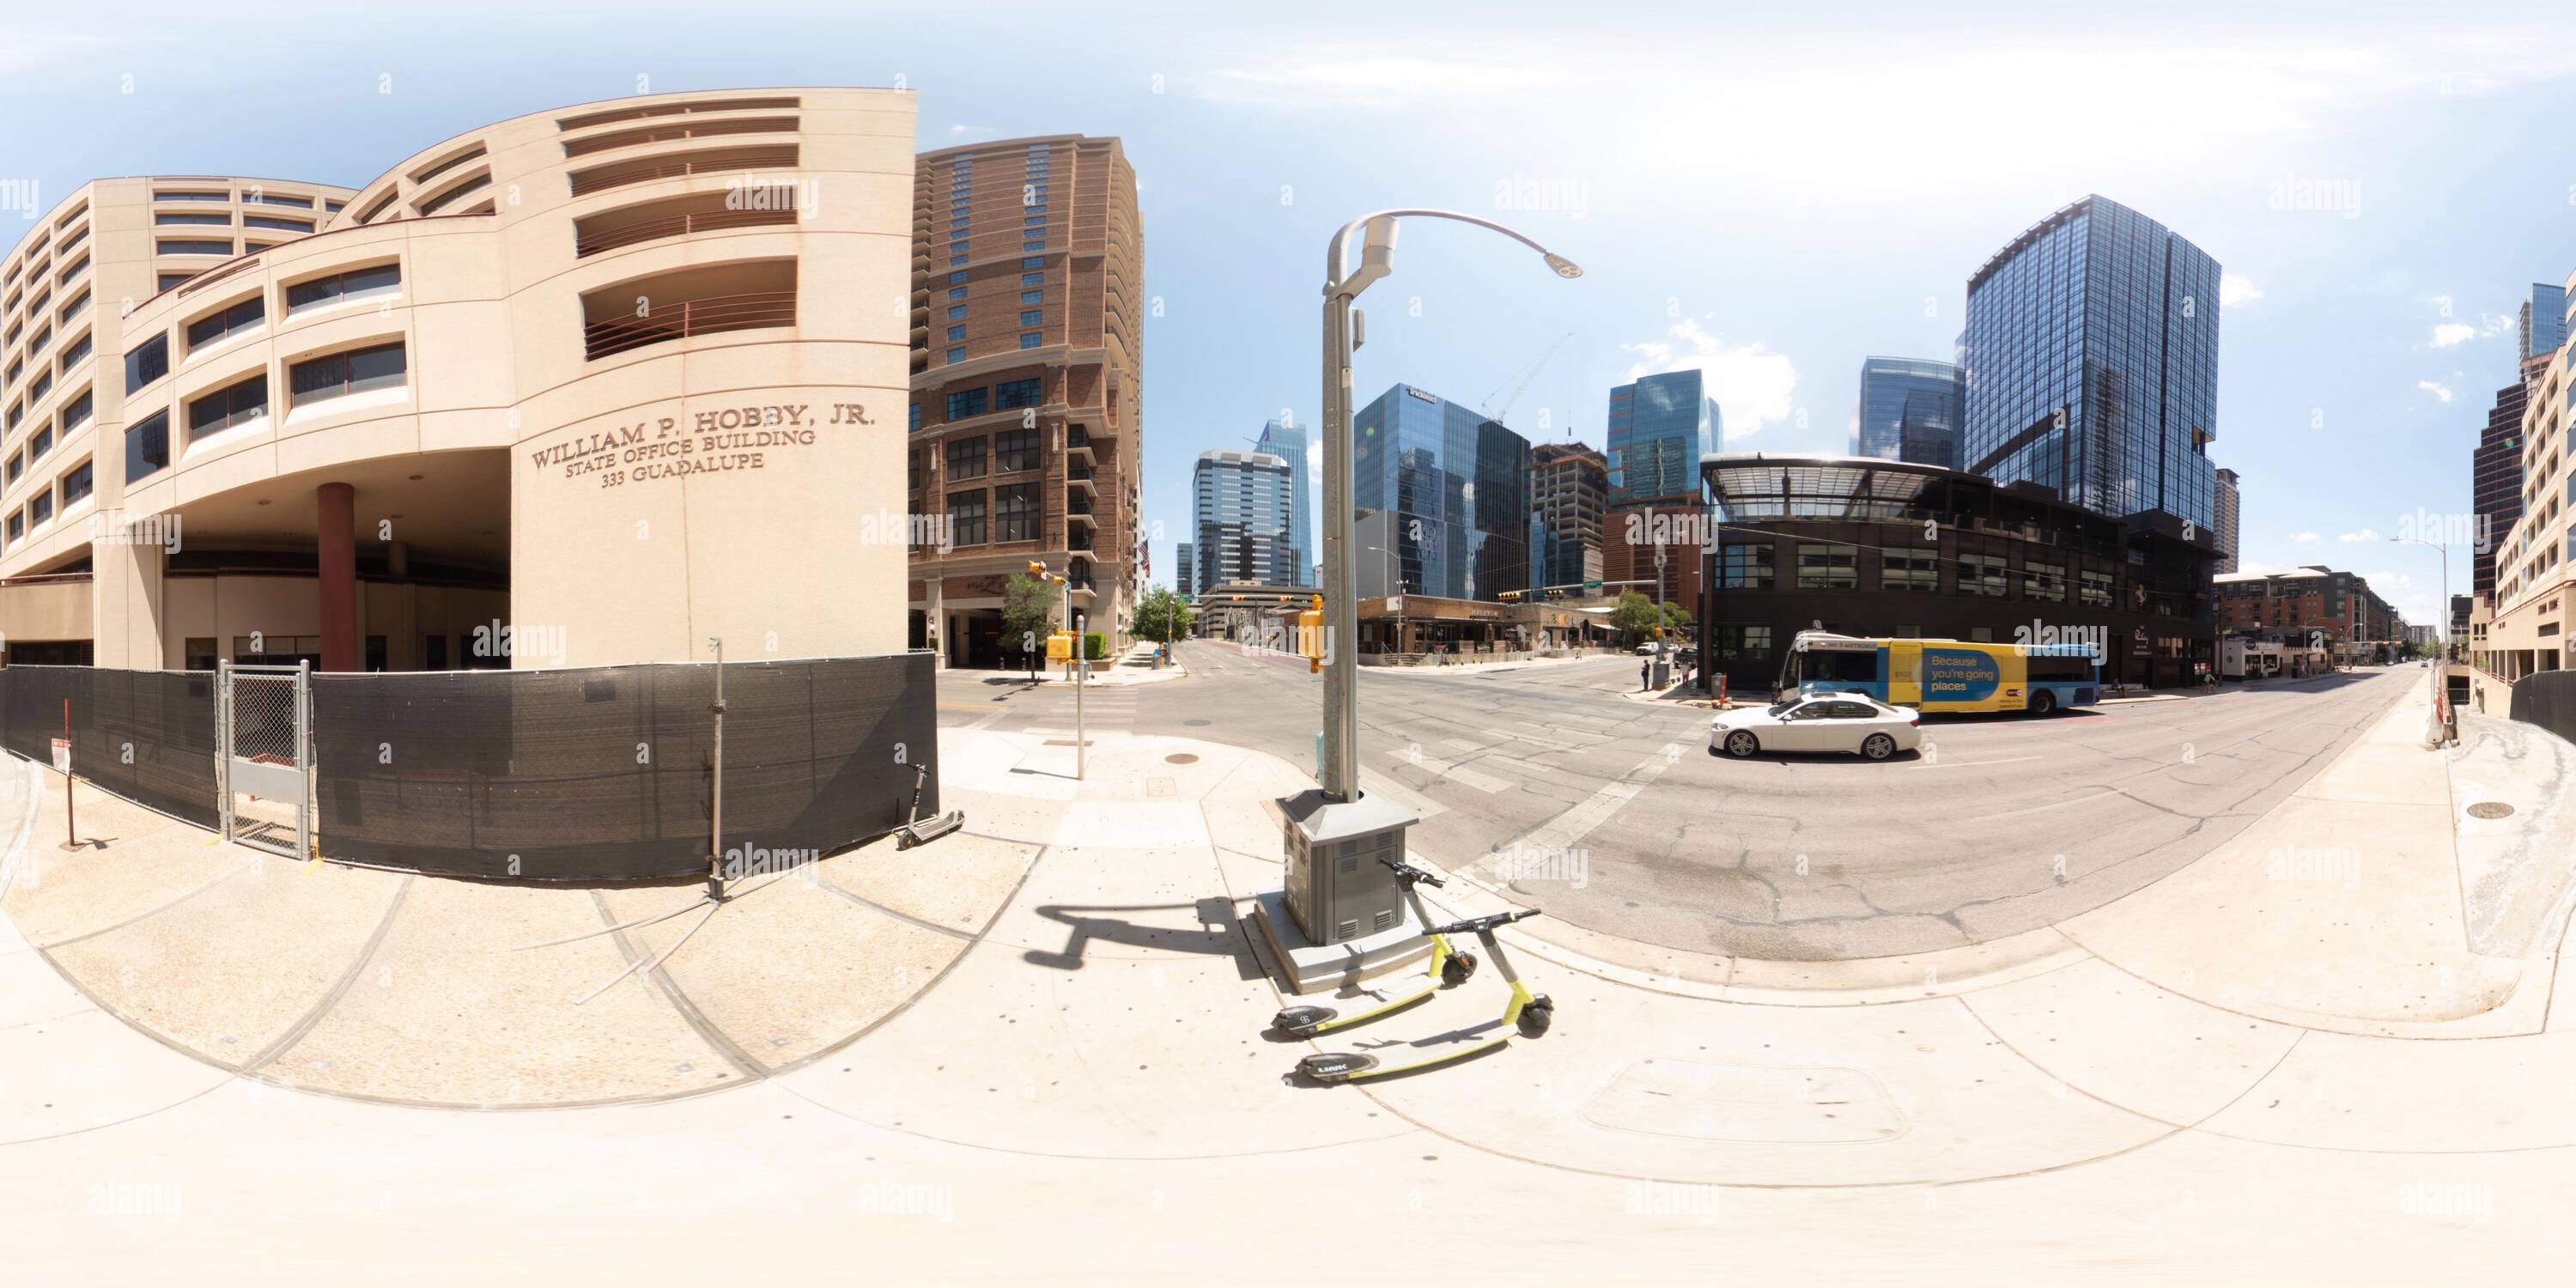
(1355,76)
(971,133)
(2451,333)
(2234,290)
(1753,386)
(2439,391)
(2304,538)
(2349,537)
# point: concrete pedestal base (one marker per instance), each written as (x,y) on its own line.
(1306,967)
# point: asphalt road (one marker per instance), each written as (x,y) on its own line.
(1612,815)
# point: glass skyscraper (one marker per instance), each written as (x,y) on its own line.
(1289,443)
(1910,410)
(2543,324)
(2091,360)
(1457,486)
(1659,428)
(1239,520)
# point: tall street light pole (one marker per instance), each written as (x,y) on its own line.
(1341,914)
(1342,337)
(2445,549)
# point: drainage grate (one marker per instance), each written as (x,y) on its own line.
(2490,809)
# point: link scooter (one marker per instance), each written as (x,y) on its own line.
(1525,1015)
(1447,967)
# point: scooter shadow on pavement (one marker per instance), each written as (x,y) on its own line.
(1217,935)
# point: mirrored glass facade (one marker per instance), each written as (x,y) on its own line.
(1289,443)
(2091,364)
(1911,409)
(1457,483)
(1659,428)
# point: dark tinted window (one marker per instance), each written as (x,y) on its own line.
(353,372)
(147,363)
(2061,668)
(147,446)
(215,326)
(356,282)
(225,408)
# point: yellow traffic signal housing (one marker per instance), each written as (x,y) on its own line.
(1310,635)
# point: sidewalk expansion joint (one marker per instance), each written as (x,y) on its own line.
(348,979)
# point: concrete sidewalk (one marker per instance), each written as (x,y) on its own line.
(2225,1075)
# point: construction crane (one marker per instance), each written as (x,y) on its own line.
(1522,383)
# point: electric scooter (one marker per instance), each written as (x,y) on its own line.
(1525,1015)
(1447,967)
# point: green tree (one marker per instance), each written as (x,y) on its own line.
(1161,617)
(1028,614)
(1676,617)
(1634,616)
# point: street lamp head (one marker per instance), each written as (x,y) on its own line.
(1564,267)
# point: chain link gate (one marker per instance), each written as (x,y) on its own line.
(264,760)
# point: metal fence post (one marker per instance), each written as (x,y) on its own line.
(224,748)
(304,847)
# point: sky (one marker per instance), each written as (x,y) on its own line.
(1768,196)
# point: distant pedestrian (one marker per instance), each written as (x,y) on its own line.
(1645,674)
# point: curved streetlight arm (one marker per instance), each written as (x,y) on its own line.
(1335,257)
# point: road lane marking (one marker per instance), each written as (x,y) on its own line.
(1578,820)
(2007,760)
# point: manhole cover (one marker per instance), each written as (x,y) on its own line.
(2490,809)
(1180,758)
(1196,724)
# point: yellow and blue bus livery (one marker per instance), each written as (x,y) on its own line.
(1944,675)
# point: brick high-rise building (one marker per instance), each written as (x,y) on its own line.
(1028,269)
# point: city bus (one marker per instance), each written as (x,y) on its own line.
(1943,675)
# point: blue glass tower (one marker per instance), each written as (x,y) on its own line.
(1659,428)
(1911,410)
(2544,320)
(2091,361)
(1288,443)
(1457,483)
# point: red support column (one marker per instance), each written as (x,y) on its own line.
(336,505)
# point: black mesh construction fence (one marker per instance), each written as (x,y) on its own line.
(2547,699)
(606,772)
(148,736)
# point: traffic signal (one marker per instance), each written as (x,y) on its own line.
(1310,635)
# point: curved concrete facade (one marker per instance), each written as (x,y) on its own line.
(591,386)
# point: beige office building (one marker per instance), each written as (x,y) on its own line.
(2526,628)
(589,386)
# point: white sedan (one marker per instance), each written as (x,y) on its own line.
(1849,722)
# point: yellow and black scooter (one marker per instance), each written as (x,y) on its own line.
(1447,967)
(1525,1015)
